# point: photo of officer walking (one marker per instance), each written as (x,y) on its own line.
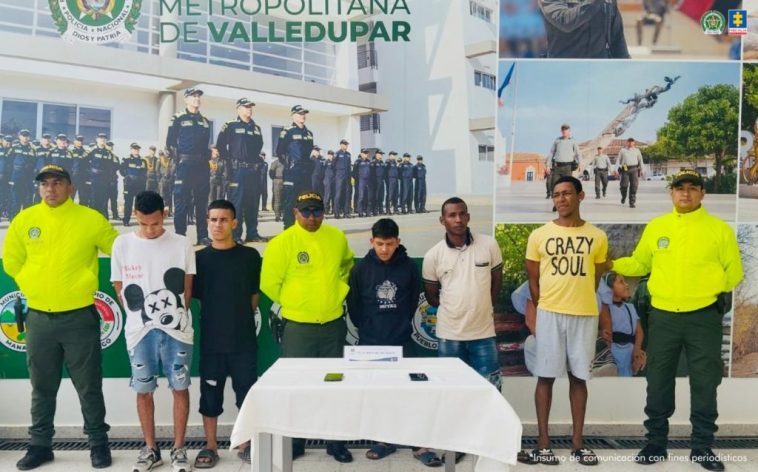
(166,171)
(294,148)
(342,187)
(419,188)
(22,157)
(99,161)
(563,157)
(217,167)
(239,143)
(151,160)
(276,173)
(187,141)
(393,183)
(406,184)
(630,170)
(134,171)
(601,165)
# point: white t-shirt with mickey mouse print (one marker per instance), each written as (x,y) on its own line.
(152,273)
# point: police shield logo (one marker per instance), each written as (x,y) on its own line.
(95,21)
(34,232)
(425,324)
(303,257)
(713,22)
(663,242)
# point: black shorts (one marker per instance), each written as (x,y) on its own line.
(215,368)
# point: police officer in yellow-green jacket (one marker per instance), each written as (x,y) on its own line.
(694,263)
(306,271)
(51,252)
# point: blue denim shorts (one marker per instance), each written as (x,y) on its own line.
(157,349)
(479,354)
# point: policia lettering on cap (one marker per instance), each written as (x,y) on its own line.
(694,263)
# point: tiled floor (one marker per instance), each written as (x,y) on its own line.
(317,461)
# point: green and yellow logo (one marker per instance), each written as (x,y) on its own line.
(713,22)
(95,21)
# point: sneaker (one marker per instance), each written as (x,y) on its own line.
(148,460)
(35,457)
(179,461)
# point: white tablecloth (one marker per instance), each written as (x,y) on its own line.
(456,409)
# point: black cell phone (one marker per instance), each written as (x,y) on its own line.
(333,377)
(418,377)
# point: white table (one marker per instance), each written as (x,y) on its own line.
(456,410)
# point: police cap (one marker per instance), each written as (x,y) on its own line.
(152,148)
(102,135)
(406,154)
(419,157)
(687,175)
(364,151)
(109,144)
(24,132)
(330,152)
(244,102)
(316,148)
(193,91)
(62,136)
(135,146)
(393,153)
(565,126)
(52,170)
(46,136)
(380,152)
(79,138)
(297,109)
(344,141)
(309,199)
(8,137)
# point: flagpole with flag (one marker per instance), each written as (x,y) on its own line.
(501,102)
(513,124)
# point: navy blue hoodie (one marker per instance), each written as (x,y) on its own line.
(383,298)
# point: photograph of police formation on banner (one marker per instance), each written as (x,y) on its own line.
(624,129)
(745,340)
(347,120)
(748,162)
(623,305)
(618,29)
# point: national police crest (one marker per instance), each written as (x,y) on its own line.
(95,21)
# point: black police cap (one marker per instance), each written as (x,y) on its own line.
(79,137)
(102,135)
(62,136)
(299,110)
(8,137)
(379,151)
(46,135)
(393,153)
(135,146)
(24,132)
(406,155)
(344,141)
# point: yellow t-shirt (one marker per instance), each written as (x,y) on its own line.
(567,257)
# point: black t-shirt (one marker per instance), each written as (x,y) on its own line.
(225,282)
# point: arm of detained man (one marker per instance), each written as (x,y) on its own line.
(567,19)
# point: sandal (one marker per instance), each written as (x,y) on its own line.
(244,454)
(538,456)
(429,459)
(380,451)
(206,459)
(584,456)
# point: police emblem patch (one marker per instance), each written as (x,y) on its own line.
(95,21)
(303,257)
(713,22)
(663,242)
(34,232)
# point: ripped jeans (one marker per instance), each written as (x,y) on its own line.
(157,347)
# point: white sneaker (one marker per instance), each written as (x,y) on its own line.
(148,460)
(179,461)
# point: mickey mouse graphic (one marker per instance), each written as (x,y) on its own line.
(164,307)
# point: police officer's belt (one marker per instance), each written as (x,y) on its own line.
(602,170)
(190,157)
(563,164)
(243,165)
(632,167)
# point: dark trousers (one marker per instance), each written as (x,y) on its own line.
(363,197)
(131,188)
(557,172)
(601,181)
(630,180)
(216,190)
(99,197)
(70,339)
(165,188)
(406,195)
(21,189)
(264,194)
(245,195)
(112,196)
(191,194)
(329,194)
(313,340)
(215,368)
(419,195)
(392,191)
(276,197)
(341,202)
(350,203)
(152,185)
(379,196)
(699,334)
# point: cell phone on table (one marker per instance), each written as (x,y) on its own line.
(418,377)
(333,377)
